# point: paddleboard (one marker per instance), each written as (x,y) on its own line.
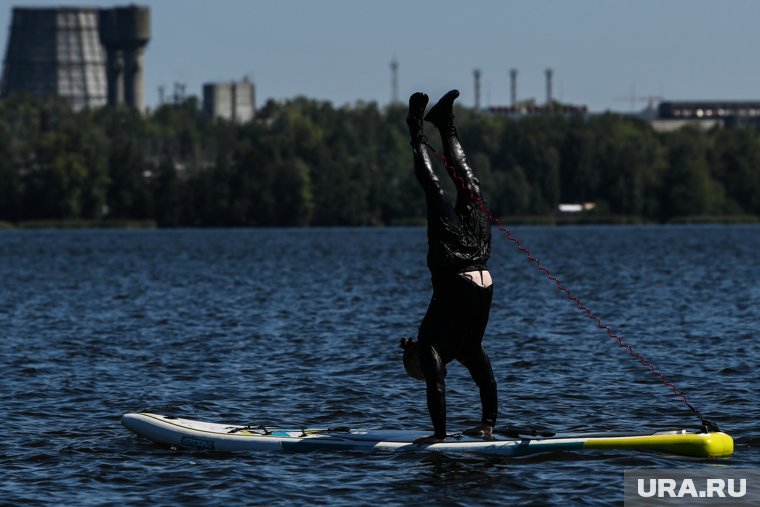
(209,436)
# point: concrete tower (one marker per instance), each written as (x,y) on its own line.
(124,31)
(476,75)
(55,52)
(549,98)
(394,82)
(513,87)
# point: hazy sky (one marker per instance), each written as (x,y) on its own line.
(603,52)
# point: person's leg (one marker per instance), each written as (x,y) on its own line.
(438,204)
(442,116)
(435,387)
(469,206)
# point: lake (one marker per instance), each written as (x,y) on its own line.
(301,327)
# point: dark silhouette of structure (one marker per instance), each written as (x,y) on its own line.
(124,32)
(88,57)
(55,52)
(394,81)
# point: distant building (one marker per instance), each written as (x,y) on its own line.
(529,108)
(706,114)
(88,57)
(672,115)
(234,102)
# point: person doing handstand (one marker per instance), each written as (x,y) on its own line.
(459,245)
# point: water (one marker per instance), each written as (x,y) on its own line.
(301,327)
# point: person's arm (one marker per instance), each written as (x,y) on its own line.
(480,369)
(489,401)
(435,388)
(436,402)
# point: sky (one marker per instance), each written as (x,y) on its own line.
(605,54)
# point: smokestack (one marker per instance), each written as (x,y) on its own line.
(476,74)
(394,81)
(549,73)
(513,87)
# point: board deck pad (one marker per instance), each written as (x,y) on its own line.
(209,436)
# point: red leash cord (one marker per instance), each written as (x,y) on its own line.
(707,426)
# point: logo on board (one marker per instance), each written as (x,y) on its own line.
(198,443)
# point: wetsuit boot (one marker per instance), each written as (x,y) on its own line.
(442,116)
(417,104)
(442,113)
(423,166)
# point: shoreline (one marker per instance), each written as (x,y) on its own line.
(519,220)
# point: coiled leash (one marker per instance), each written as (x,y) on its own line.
(706,425)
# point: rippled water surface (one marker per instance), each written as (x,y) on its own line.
(300,327)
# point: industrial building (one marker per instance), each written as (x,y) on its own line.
(670,115)
(88,57)
(235,101)
(706,114)
(529,106)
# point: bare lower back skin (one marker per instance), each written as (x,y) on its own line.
(482,278)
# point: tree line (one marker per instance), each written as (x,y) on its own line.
(305,162)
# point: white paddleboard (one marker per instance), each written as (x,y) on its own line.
(209,436)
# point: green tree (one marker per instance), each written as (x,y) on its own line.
(294,203)
(129,192)
(533,143)
(11,189)
(735,163)
(167,195)
(629,160)
(688,188)
(579,174)
(305,162)
(67,177)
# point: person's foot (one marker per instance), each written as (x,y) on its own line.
(442,113)
(429,440)
(482,431)
(417,104)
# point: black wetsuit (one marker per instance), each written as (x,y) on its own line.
(459,240)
